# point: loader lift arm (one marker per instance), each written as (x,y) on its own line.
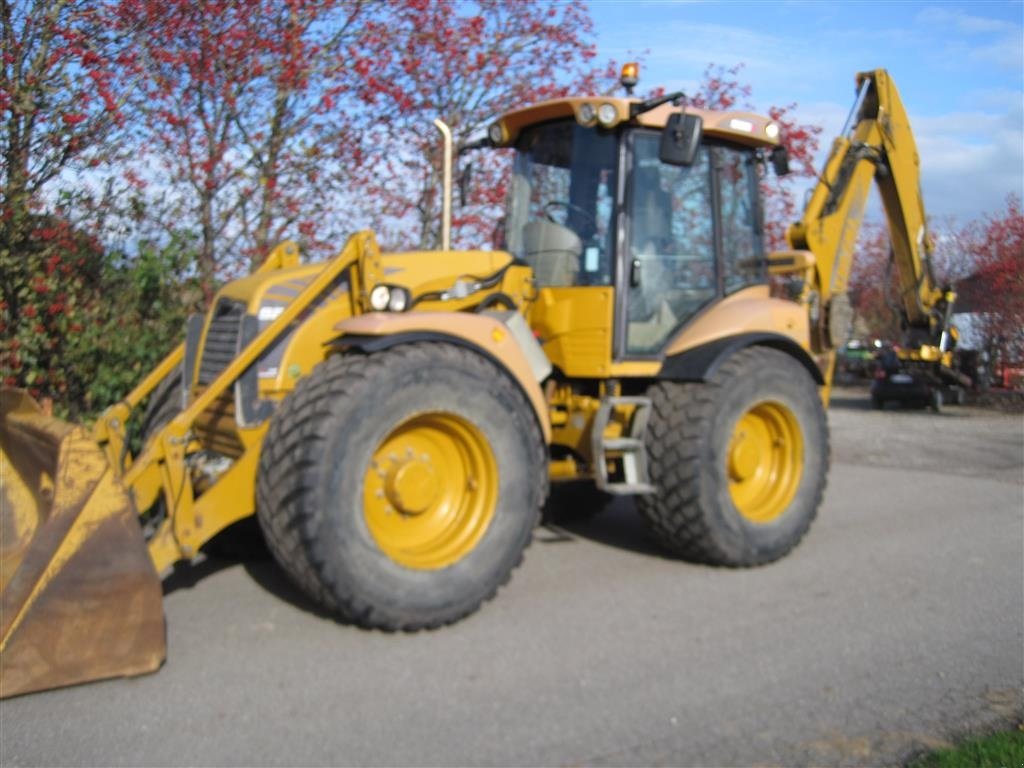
(109,430)
(876,144)
(161,468)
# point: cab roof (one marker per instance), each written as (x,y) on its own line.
(739,127)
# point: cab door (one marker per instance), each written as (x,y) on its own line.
(692,234)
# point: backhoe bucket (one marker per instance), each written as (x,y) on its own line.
(79,597)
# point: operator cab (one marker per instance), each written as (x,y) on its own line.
(597,202)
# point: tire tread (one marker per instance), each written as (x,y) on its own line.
(681,418)
(291,463)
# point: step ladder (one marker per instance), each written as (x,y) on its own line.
(629,448)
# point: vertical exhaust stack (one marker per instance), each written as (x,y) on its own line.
(446,200)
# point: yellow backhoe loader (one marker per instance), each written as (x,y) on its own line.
(394,420)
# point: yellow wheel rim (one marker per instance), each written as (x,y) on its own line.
(430,491)
(765,461)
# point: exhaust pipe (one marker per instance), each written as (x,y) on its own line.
(446,200)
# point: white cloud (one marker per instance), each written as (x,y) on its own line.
(963,22)
(961,70)
(970,161)
(830,115)
(686,48)
(1010,101)
(1003,47)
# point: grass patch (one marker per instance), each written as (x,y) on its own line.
(1000,750)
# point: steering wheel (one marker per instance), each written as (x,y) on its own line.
(549,212)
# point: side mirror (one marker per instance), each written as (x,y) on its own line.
(780,160)
(681,139)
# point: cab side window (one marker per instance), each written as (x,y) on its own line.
(561,203)
(742,248)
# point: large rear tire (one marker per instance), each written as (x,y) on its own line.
(740,461)
(400,489)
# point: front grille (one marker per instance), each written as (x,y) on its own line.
(221,345)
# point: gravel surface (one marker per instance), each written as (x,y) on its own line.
(896,626)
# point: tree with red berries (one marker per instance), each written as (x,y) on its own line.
(62,98)
(464,63)
(60,95)
(994,291)
(721,88)
(242,119)
(872,287)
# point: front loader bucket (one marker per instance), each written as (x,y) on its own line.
(79,597)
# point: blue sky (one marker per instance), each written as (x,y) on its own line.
(959,67)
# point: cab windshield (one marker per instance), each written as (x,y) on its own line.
(561,203)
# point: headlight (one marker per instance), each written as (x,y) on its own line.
(772,130)
(392,298)
(607,114)
(379,297)
(587,113)
(496,134)
(399,300)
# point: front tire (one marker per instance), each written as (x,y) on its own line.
(740,461)
(400,489)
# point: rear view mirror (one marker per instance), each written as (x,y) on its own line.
(681,139)
(780,160)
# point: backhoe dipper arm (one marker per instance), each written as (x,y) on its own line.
(876,144)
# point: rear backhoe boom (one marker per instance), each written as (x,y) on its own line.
(876,146)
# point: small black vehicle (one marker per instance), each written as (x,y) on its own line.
(910,382)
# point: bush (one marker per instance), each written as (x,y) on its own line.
(82,325)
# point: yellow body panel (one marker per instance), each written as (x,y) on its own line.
(481,331)
(739,127)
(426,275)
(928,353)
(747,311)
(432,271)
(575,326)
(303,347)
(636,369)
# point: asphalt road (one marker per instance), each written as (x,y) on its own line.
(897,625)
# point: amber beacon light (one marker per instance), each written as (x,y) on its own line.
(629,77)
